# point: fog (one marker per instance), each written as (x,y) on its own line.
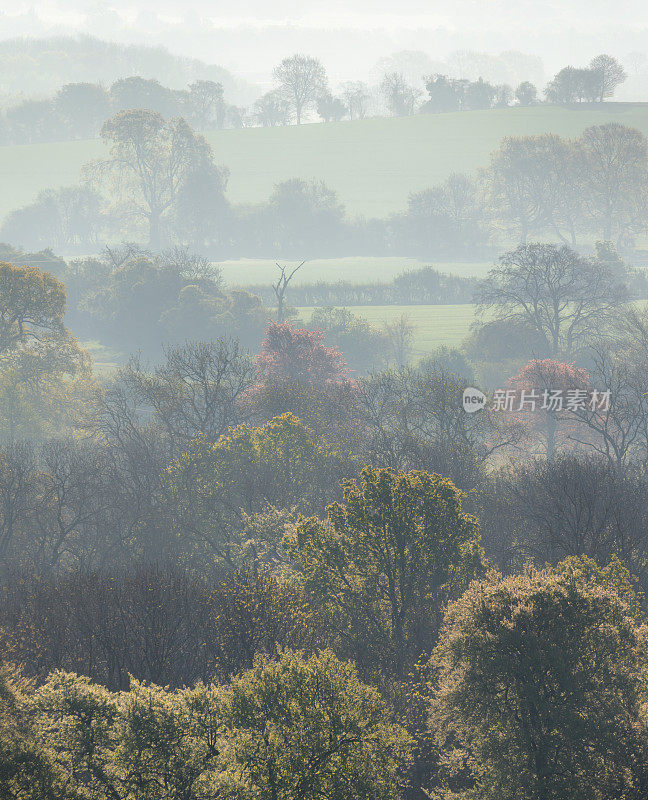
(324,400)
(348,37)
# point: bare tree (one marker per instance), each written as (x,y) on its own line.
(196,391)
(577,506)
(281,285)
(400,335)
(302,80)
(614,173)
(567,299)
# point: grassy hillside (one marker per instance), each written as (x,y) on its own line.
(373,164)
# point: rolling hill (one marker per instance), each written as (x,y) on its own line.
(373,164)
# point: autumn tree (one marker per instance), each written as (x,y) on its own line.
(543,388)
(302,80)
(298,373)
(539,692)
(299,355)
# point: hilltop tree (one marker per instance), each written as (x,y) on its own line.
(302,80)
(355,95)
(206,104)
(573,85)
(400,98)
(272,109)
(330,108)
(446,94)
(609,74)
(526,94)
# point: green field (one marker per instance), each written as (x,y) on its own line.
(356,269)
(373,164)
(434,325)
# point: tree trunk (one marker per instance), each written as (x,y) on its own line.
(551,436)
(154,230)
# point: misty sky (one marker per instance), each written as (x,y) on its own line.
(350,36)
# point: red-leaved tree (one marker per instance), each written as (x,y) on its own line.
(546,377)
(299,373)
(299,355)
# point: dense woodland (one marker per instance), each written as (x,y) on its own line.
(245,568)
(262,557)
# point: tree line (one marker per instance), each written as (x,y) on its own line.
(234,574)
(78,110)
(160,183)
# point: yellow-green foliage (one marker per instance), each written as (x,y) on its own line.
(388,557)
(540,684)
(282,463)
(294,728)
(27,771)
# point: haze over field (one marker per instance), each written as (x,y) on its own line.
(372,164)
